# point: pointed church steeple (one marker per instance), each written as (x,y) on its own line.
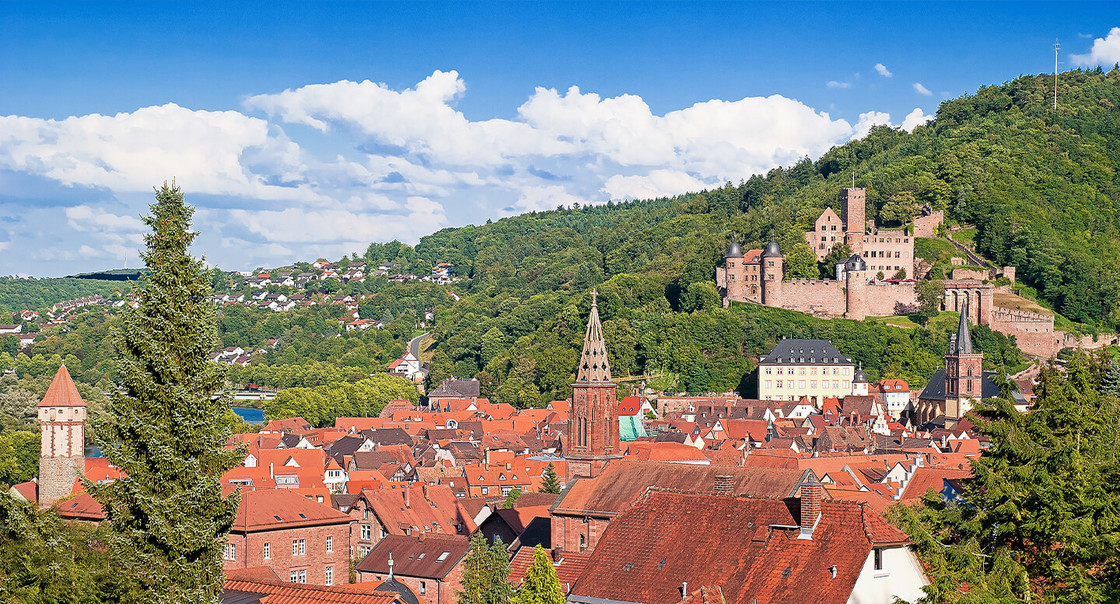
(593,426)
(593,364)
(964,337)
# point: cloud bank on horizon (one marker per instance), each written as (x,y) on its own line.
(325,169)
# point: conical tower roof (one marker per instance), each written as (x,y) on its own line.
(593,364)
(62,391)
(964,337)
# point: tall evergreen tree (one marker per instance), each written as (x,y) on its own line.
(1040,518)
(168,516)
(541,585)
(485,577)
(550,482)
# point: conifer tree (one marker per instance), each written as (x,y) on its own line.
(485,577)
(1110,381)
(511,498)
(550,482)
(169,519)
(541,585)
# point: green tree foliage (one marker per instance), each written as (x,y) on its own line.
(930,294)
(321,405)
(485,577)
(18,294)
(541,586)
(801,262)
(19,456)
(550,482)
(168,516)
(1040,519)
(901,208)
(511,498)
(44,560)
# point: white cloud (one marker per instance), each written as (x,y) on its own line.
(883,71)
(1105,51)
(835,84)
(658,183)
(868,120)
(914,119)
(922,89)
(389,164)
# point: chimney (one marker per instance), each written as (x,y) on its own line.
(408,500)
(812,491)
(270,474)
(684,589)
(723,484)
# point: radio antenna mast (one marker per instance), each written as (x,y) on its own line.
(1056,47)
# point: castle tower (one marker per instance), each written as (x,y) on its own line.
(593,426)
(963,371)
(855,288)
(736,273)
(62,416)
(853,204)
(773,270)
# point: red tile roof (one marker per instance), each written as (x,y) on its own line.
(739,543)
(416,556)
(295,593)
(630,405)
(270,509)
(80,507)
(62,392)
(926,479)
(568,569)
(623,481)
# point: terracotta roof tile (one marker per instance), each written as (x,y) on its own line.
(62,392)
(568,568)
(739,543)
(294,593)
(416,556)
(268,509)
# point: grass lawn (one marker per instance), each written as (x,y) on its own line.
(965,236)
(902,321)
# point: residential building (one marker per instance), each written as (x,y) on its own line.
(795,369)
(300,540)
(431,565)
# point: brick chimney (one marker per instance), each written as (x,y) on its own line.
(408,499)
(723,484)
(812,491)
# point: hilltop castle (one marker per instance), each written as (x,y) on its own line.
(757,276)
(858,291)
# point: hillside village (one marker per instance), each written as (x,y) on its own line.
(805,476)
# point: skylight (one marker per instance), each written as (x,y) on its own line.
(443,556)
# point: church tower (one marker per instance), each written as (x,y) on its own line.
(62,417)
(963,371)
(593,426)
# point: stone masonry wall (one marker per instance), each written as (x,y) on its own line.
(815,296)
(56,477)
(880,298)
(924,226)
(1034,332)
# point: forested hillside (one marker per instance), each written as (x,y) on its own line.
(38,294)
(1040,186)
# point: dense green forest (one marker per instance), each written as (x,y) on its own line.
(39,294)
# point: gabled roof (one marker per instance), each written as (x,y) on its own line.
(62,392)
(416,556)
(749,547)
(623,481)
(272,509)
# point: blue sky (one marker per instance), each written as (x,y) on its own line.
(311,129)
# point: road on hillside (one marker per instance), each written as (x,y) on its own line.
(414,344)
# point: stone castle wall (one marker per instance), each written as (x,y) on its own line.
(815,296)
(1034,332)
(880,298)
(924,226)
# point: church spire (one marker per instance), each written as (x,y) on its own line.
(593,364)
(964,338)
